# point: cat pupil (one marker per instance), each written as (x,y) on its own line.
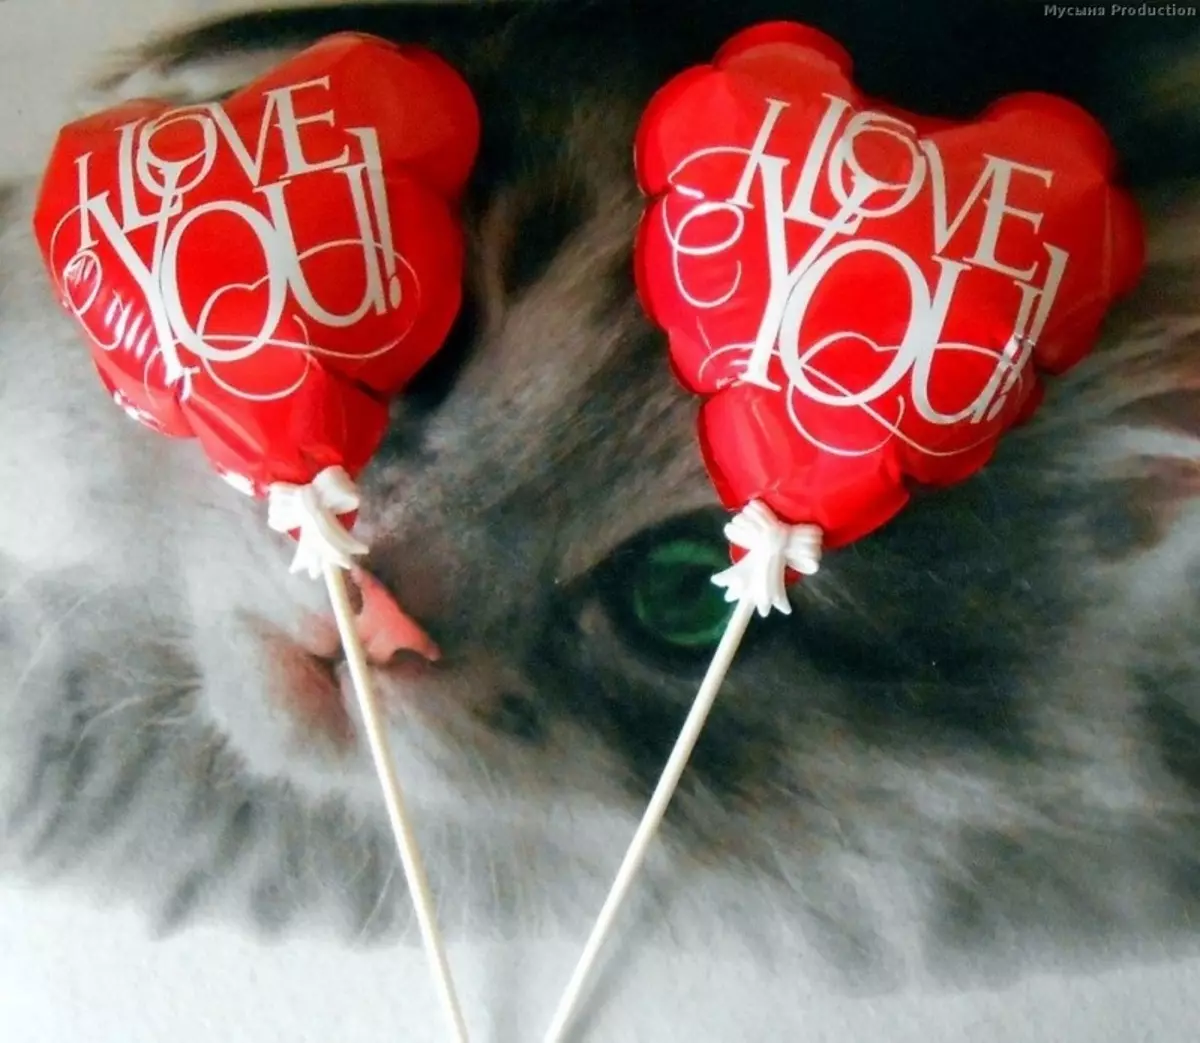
(673,597)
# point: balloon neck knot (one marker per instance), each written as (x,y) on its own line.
(312,512)
(772,547)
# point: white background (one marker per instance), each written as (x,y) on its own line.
(70,973)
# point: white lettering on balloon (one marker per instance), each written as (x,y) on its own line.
(859,197)
(166,328)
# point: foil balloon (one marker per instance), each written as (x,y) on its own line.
(866,297)
(261,274)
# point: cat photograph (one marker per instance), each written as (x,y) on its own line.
(970,751)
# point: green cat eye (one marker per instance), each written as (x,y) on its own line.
(673,597)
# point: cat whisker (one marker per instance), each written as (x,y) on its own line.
(175,721)
(45,642)
(133,702)
(380,901)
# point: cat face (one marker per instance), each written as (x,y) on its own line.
(945,701)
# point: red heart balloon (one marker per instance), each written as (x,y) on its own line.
(864,297)
(262,274)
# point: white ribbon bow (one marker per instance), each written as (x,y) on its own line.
(313,509)
(771,548)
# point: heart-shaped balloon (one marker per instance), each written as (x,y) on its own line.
(263,273)
(864,296)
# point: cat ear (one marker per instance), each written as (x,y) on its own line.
(1155,117)
(1135,405)
(1152,375)
(208,61)
(186,80)
(1172,212)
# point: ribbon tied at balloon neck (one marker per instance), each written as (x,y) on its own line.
(313,512)
(772,548)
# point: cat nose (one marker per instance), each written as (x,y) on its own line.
(384,627)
